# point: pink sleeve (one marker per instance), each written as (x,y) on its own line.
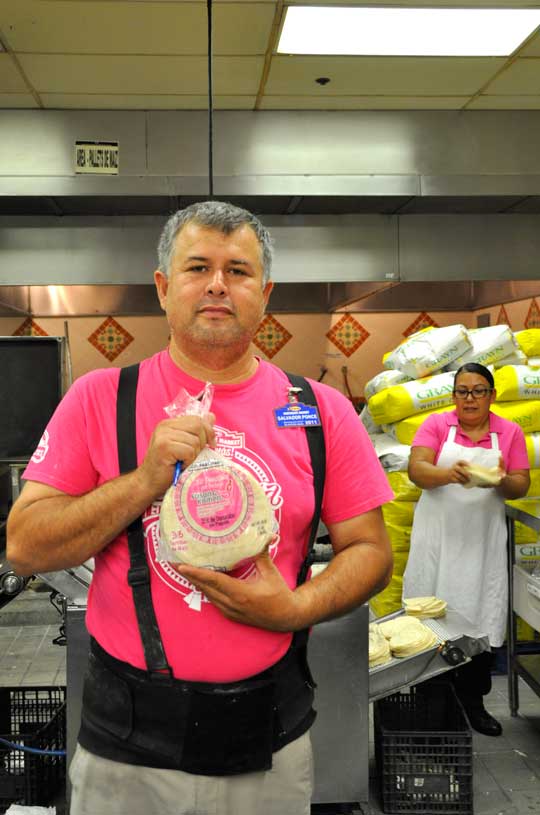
(429,433)
(62,458)
(355,481)
(517,458)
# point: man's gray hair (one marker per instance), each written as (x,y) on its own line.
(215,215)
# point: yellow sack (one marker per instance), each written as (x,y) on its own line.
(403,487)
(525,534)
(389,599)
(532,441)
(534,489)
(408,398)
(526,414)
(525,632)
(398,514)
(515,382)
(529,341)
(400,537)
(405,430)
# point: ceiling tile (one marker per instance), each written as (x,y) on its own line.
(11,80)
(363,102)
(522,78)
(17,100)
(493,102)
(134,27)
(393,76)
(140,75)
(135,101)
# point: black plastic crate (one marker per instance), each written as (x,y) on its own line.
(34,717)
(423,749)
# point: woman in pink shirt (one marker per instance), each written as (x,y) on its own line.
(458,539)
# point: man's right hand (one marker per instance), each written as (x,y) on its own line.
(173,440)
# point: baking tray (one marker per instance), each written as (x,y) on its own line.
(398,673)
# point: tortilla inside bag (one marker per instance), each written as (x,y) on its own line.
(217,516)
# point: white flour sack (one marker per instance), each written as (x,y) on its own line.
(488,345)
(517,357)
(386,379)
(217,516)
(404,400)
(515,382)
(429,351)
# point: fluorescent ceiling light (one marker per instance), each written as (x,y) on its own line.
(406,31)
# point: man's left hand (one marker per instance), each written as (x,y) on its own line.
(263,600)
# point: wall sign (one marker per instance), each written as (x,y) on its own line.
(97,157)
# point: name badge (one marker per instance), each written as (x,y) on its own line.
(297,414)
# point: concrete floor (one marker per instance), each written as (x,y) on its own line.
(506,769)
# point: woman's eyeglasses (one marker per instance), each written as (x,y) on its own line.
(476,393)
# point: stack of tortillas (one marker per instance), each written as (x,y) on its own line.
(482,476)
(406,636)
(379,647)
(424,607)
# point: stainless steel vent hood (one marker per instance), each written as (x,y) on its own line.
(385,210)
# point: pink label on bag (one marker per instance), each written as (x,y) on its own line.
(215,505)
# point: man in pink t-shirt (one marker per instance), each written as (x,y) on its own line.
(197,681)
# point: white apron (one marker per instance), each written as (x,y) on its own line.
(458,544)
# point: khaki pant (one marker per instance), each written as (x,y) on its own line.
(103,787)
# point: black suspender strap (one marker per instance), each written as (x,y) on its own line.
(138,574)
(317,451)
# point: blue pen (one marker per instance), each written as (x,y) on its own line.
(178,465)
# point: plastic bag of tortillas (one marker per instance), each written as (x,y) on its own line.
(216,515)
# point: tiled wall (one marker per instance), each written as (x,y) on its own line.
(302,343)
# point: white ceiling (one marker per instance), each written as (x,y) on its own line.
(151,54)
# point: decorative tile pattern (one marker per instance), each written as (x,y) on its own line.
(29,328)
(347,335)
(422,321)
(110,339)
(533,317)
(271,336)
(502,317)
